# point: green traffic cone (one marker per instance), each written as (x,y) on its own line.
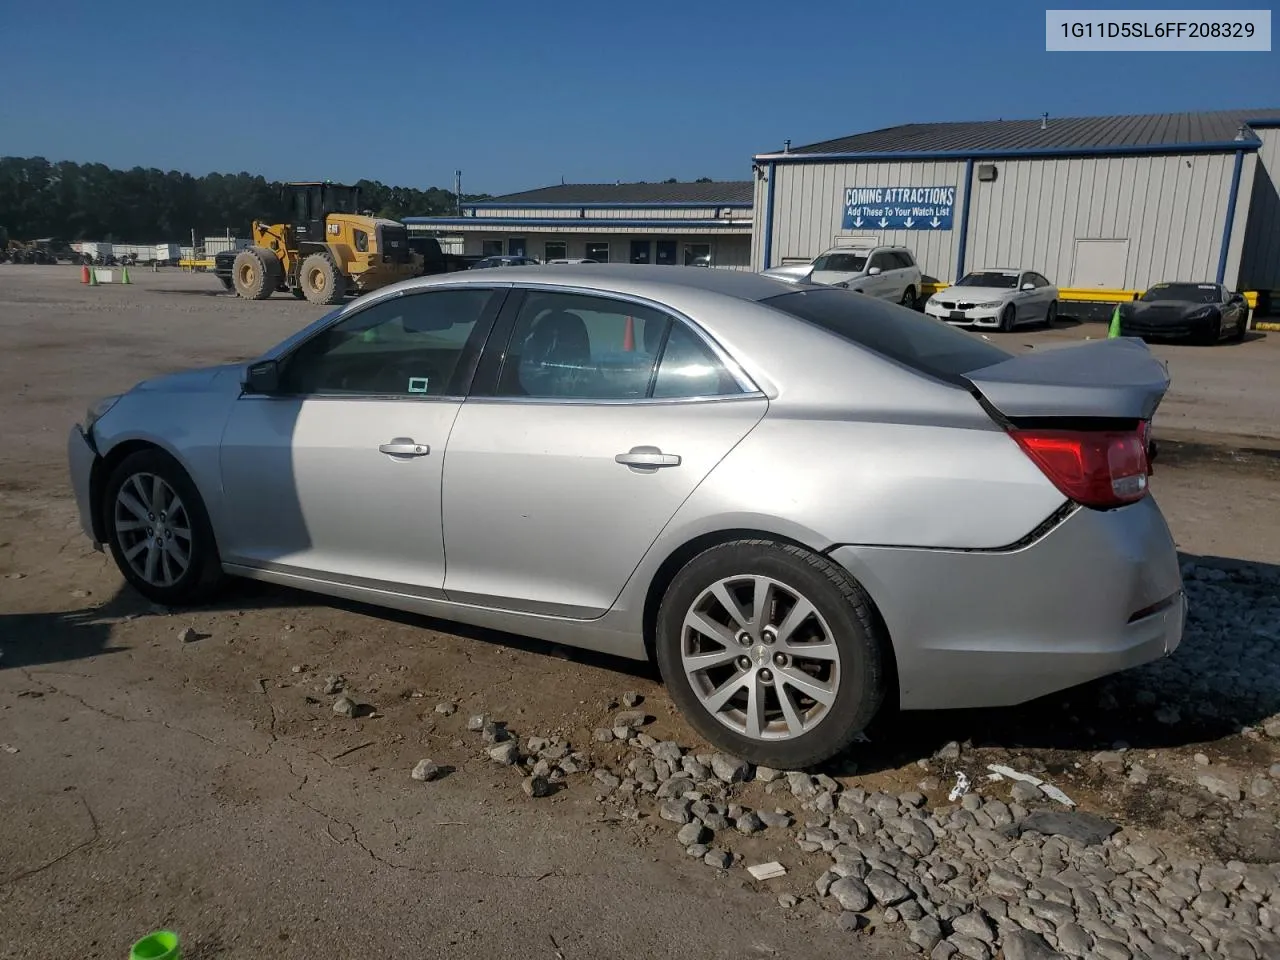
(93,276)
(1114,330)
(161,945)
(124,275)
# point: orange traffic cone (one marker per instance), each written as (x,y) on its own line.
(84,273)
(629,336)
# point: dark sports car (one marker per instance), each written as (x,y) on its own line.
(1204,312)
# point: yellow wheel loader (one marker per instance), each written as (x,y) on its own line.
(326,251)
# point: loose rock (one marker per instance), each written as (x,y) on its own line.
(729,769)
(602,735)
(851,893)
(426,771)
(851,922)
(446,709)
(692,833)
(974,925)
(345,707)
(507,754)
(188,635)
(629,720)
(536,786)
(749,823)
(1025,945)
(887,890)
(477,722)
(632,698)
(718,858)
(332,685)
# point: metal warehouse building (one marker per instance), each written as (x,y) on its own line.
(704,224)
(1107,205)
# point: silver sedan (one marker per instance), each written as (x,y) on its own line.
(802,502)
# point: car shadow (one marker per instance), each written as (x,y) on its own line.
(33,639)
(1221,680)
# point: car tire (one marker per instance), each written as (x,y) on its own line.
(850,667)
(187,569)
(1051,314)
(1007,317)
(1241,329)
(909,298)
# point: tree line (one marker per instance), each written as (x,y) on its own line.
(91,201)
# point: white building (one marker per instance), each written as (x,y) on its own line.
(706,223)
(1104,204)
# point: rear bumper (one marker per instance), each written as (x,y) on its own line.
(993,629)
(80,460)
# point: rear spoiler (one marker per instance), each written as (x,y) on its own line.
(1113,379)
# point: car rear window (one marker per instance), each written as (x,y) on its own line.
(917,341)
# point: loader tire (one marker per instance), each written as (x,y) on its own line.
(321,280)
(255,273)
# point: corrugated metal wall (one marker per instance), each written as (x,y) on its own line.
(1260,266)
(1170,209)
(808,207)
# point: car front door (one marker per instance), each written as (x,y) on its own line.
(883,284)
(589,425)
(336,474)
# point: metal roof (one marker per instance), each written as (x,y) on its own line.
(712,194)
(1133,132)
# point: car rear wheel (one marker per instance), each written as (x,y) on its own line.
(772,652)
(158,530)
(1051,314)
(909,298)
(1241,328)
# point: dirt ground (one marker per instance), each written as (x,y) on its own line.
(208,787)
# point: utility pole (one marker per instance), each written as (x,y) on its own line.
(457,190)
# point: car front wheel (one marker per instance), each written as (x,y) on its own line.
(158,530)
(772,652)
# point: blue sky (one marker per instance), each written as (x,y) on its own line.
(520,94)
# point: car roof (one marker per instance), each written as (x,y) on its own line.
(1006,270)
(642,280)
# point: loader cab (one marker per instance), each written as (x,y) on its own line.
(310,203)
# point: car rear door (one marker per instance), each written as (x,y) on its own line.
(592,420)
(336,475)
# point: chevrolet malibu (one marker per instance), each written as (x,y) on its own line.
(802,502)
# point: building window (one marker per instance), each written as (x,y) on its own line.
(598,252)
(490,248)
(666,253)
(515,246)
(639,251)
(697,254)
(556,250)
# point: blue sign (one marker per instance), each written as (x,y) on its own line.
(898,208)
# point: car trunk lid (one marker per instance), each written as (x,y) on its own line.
(1116,379)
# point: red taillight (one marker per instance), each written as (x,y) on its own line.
(1093,468)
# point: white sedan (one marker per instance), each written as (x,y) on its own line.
(1002,297)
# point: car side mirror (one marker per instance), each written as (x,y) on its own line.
(262,377)
(874,271)
(1028,286)
(1237,298)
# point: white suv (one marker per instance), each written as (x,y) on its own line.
(890,273)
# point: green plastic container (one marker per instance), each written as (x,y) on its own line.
(161,945)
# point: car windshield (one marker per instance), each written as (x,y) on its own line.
(922,343)
(1004,281)
(843,262)
(1184,292)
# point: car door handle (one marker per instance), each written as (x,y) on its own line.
(404,447)
(647,458)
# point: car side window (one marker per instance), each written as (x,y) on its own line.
(568,346)
(880,260)
(689,368)
(418,344)
(362,241)
(902,260)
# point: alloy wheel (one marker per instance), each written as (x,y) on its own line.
(760,658)
(153,529)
